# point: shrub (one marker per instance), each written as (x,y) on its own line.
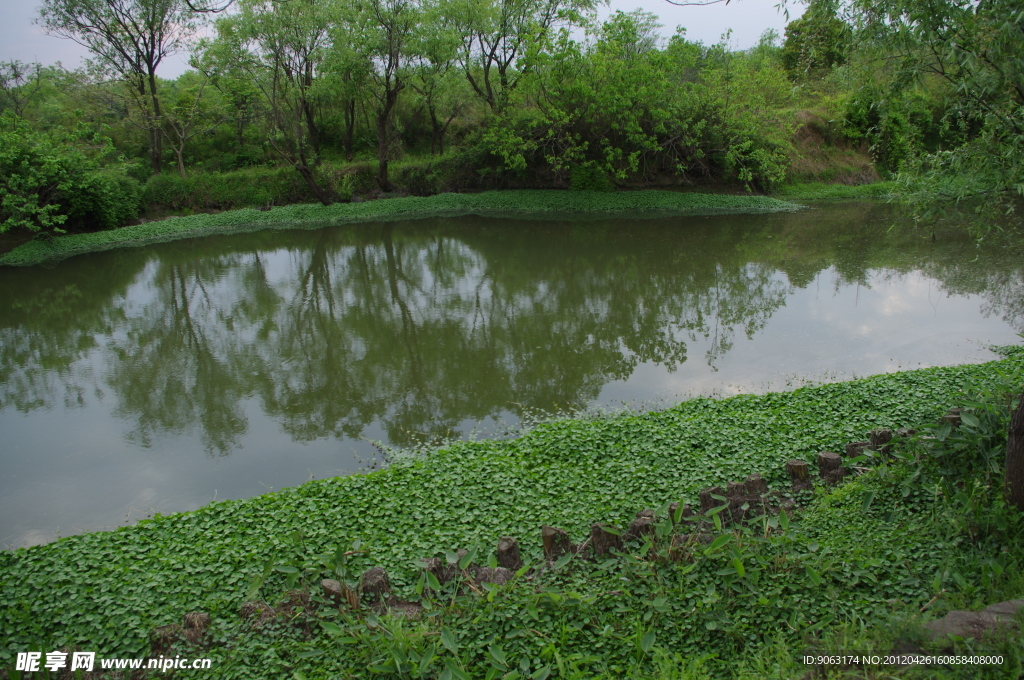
(589,177)
(48,181)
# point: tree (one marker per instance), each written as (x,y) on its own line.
(500,37)
(130,38)
(48,182)
(977,50)
(435,78)
(188,114)
(282,47)
(386,32)
(817,41)
(19,85)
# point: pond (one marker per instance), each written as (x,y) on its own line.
(158,379)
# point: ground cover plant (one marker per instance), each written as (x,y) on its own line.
(924,529)
(522,203)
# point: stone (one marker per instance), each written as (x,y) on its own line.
(975,624)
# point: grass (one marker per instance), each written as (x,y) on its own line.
(813,191)
(523,203)
(885,537)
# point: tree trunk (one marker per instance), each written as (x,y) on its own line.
(384,133)
(180,153)
(1013,481)
(350,127)
(318,191)
(156,150)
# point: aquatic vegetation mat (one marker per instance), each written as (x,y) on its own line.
(568,205)
(879,539)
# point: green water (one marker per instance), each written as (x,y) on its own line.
(158,379)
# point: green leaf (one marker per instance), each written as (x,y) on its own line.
(719,542)
(449,641)
(647,641)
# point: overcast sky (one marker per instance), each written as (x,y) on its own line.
(748,19)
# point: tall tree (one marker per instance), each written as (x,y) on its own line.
(282,47)
(500,36)
(386,30)
(130,38)
(19,85)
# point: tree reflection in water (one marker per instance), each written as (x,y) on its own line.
(422,327)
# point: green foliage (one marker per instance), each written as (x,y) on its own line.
(893,123)
(635,615)
(535,203)
(47,183)
(975,53)
(812,191)
(250,187)
(590,178)
(817,41)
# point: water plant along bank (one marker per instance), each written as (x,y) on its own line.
(882,538)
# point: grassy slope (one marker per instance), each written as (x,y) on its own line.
(524,203)
(105,591)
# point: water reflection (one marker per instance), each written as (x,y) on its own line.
(420,330)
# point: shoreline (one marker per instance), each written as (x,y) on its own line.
(522,204)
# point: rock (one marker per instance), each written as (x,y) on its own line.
(735,490)
(975,624)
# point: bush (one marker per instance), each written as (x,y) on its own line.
(47,181)
(106,199)
(589,177)
(250,187)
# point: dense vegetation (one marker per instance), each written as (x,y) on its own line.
(328,99)
(924,529)
(522,204)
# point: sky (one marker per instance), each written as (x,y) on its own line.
(20,39)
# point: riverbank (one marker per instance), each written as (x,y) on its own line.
(549,204)
(887,543)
